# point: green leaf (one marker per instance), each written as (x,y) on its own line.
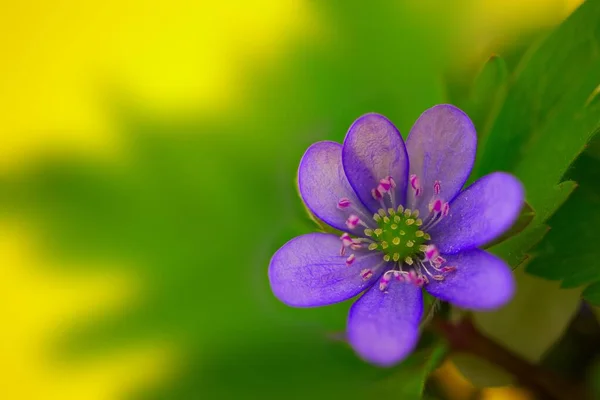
(568,253)
(547,116)
(514,250)
(488,89)
(592,293)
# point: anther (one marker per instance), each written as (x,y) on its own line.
(384,245)
(400,209)
(350,259)
(381,212)
(391,181)
(401,232)
(419,233)
(368,232)
(419,222)
(386,219)
(346,240)
(386,257)
(410,221)
(366,274)
(356,246)
(352,221)
(407,212)
(391,211)
(435,206)
(445,209)
(377,217)
(409,260)
(372,246)
(396,241)
(343,203)
(396,257)
(431,252)
(377,195)
(427,236)
(415,213)
(378,231)
(410,243)
(394,226)
(414,184)
(397,218)
(384,185)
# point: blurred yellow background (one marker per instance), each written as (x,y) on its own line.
(63,65)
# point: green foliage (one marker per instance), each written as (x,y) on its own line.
(568,252)
(487,92)
(547,117)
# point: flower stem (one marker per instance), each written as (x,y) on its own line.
(464,337)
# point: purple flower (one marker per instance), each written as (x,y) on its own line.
(408,226)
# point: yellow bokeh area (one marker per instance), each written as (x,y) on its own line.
(39,306)
(62,60)
(61,63)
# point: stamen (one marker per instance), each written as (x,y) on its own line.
(435,206)
(431,252)
(350,259)
(396,241)
(409,260)
(373,246)
(386,278)
(346,240)
(437,187)
(391,181)
(445,209)
(415,184)
(343,203)
(353,221)
(377,195)
(366,274)
(369,232)
(356,246)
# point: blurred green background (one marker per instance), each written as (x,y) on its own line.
(147,166)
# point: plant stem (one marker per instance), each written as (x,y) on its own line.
(464,337)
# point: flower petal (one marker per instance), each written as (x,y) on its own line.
(480,213)
(481,281)
(441,146)
(322,183)
(373,150)
(308,271)
(383,326)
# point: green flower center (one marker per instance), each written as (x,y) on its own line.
(398,235)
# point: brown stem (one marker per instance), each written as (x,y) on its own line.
(465,338)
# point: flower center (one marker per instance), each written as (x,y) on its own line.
(398,235)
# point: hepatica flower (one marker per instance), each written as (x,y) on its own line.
(407,227)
